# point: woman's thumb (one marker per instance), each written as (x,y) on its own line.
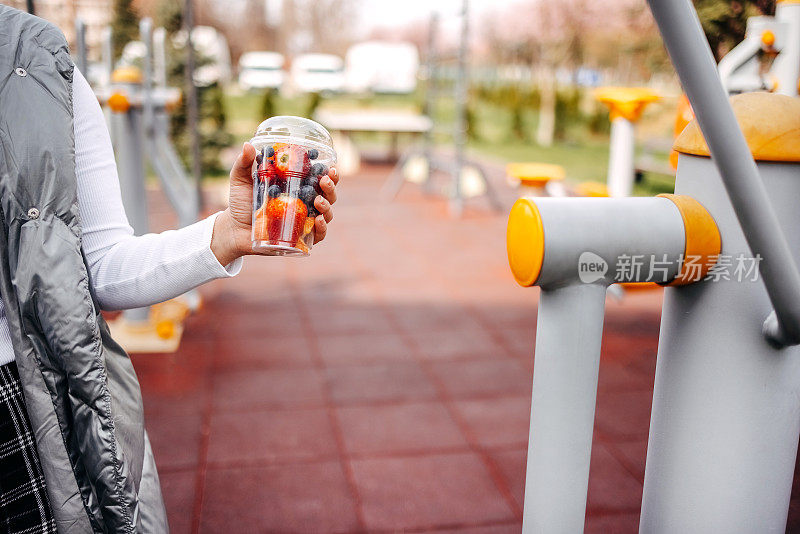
(243,165)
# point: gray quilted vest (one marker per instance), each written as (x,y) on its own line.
(81,390)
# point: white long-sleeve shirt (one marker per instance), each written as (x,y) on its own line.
(125,271)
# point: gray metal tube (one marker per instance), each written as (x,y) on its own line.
(130,163)
(568,336)
(146,35)
(108,53)
(160,57)
(647,232)
(192,103)
(80,38)
(691,55)
(460,126)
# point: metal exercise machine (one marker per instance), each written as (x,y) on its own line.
(139,103)
(461,169)
(779,36)
(626,105)
(725,418)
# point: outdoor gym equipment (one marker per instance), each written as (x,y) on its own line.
(139,125)
(141,103)
(468,178)
(626,105)
(741,68)
(536,179)
(724,427)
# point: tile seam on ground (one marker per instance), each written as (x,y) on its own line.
(319,364)
(494,471)
(202,455)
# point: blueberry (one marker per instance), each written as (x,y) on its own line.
(259,158)
(318,168)
(270,152)
(313,181)
(274,191)
(307,194)
(313,153)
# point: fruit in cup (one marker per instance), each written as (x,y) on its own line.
(274,216)
(313,181)
(308,227)
(267,170)
(318,169)
(292,160)
(289,186)
(307,194)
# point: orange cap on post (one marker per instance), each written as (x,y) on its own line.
(626,102)
(525,242)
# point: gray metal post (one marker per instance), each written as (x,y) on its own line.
(581,246)
(129,136)
(192,119)
(568,335)
(691,55)
(163,158)
(430,96)
(108,51)
(787,65)
(80,45)
(160,57)
(146,35)
(460,127)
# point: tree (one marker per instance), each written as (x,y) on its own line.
(124,25)
(725,21)
(212,117)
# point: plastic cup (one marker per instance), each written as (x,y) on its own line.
(292,155)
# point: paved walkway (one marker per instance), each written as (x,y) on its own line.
(381,385)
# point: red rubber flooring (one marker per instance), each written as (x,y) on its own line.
(381,385)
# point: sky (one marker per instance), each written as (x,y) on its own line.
(401,12)
(383,13)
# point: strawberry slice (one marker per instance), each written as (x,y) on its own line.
(281,219)
(292,161)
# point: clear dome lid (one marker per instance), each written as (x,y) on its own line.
(288,129)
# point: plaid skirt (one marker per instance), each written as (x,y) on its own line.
(24,507)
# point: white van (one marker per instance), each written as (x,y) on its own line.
(261,70)
(318,73)
(382,67)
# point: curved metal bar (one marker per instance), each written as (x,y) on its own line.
(694,63)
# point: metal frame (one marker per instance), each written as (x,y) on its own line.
(724,429)
(142,133)
(694,62)
(460,161)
